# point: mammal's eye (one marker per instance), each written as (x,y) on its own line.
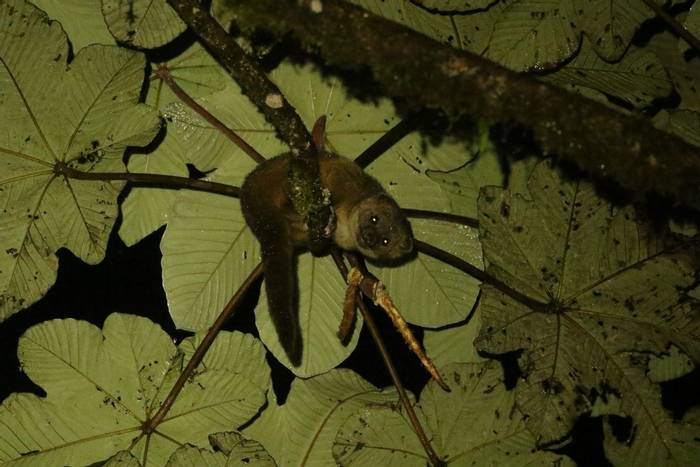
(385,241)
(373,219)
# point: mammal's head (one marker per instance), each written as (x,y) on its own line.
(381,231)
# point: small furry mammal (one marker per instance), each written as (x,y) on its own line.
(368,220)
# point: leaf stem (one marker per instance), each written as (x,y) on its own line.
(441,216)
(166,181)
(152,423)
(388,139)
(164,74)
(478,274)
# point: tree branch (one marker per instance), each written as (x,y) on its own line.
(253,81)
(426,73)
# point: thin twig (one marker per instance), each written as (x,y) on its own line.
(389,364)
(164,74)
(671,22)
(478,274)
(153,180)
(441,216)
(152,423)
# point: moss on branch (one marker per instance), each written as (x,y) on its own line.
(427,73)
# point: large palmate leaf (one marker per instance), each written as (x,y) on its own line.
(474,424)
(82,115)
(606,293)
(101,386)
(301,431)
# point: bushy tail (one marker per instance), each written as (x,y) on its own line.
(282,296)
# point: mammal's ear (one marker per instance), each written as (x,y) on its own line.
(318,134)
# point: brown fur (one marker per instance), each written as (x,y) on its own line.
(368,220)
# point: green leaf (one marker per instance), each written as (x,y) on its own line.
(81,20)
(684,72)
(241,452)
(534,34)
(638,78)
(122,459)
(610,24)
(84,116)
(682,434)
(301,431)
(102,386)
(142,23)
(462,184)
(241,355)
(241,449)
(611,292)
(230,449)
(351,125)
(321,296)
(474,424)
(208,251)
(668,366)
(454,344)
(454,6)
(189,455)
